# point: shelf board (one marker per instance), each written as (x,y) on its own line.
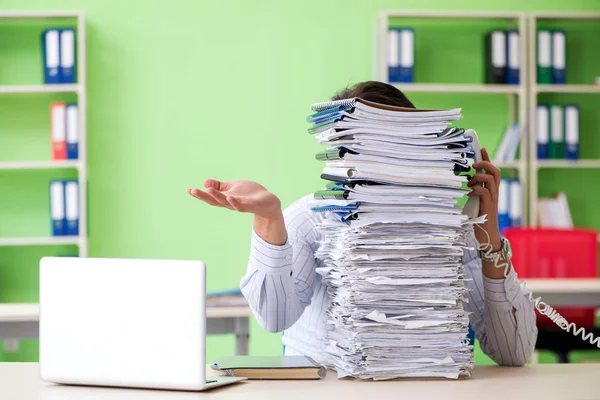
(54,88)
(39,241)
(19,312)
(451,14)
(566,89)
(567,164)
(29,165)
(507,164)
(458,88)
(576,15)
(39,14)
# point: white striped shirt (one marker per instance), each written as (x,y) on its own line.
(286,294)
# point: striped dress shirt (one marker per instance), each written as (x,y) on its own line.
(287,295)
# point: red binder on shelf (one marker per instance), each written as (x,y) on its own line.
(556,253)
(58,130)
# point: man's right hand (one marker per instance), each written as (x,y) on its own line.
(243,196)
(249,197)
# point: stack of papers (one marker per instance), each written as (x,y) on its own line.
(393,239)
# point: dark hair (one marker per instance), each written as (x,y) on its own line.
(377,92)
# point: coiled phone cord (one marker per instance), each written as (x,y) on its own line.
(541,306)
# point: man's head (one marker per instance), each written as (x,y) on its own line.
(377,92)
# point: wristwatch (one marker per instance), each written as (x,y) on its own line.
(505,252)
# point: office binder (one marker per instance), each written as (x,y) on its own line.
(495,50)
(544,60)
(515,209)
(393,45)
(572,131)
(72,132)
(67,56)
(559,49)
(51,56)
(72,207)
(407,55)
(503,204)
(58,130)
(57,208)
(512,55)
(557,132)
(542,128)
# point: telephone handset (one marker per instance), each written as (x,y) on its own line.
(472,207)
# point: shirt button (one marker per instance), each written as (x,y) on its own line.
(289,294)
(497,295)
(509,292)
(288,257)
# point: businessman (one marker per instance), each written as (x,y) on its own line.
(286,294)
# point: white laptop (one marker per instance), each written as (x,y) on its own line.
(124,323)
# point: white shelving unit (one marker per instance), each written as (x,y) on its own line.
(536,89)
(81,164)
(516,94)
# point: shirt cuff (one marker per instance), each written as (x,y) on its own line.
(503,290)
(270,258)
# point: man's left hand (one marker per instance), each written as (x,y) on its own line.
(488,193)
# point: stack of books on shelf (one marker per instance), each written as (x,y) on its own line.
(554,212)
(392,241)
(509,144)
(59,56)
(551,57)
(557,131)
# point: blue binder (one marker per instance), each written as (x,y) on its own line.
(72,131)
(512,57)
(503,205)
(67,55)
(393,53)
(57,208)
(406,43)
(51,56)
(542,119)
(72,207)
(572,131)
(559,57)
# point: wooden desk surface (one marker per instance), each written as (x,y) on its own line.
(26,312)
(548,381)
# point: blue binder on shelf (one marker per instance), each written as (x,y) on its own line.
(542,129)
(572,131)
(503,205)
(51,56)
(393,44)
(57,208)
(559,60)
(72,207)
(515,209)
(406,42)
(72,131)
(512,57)
(67,55)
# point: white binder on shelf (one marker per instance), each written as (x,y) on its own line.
(67,55)
(407,55)
(393,48)
(51,56)
(542,131)
(572,131)
(72,132)
(559,61)
(516,203)
(57,208)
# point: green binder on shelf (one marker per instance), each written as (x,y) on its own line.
(557,132)
(544,57)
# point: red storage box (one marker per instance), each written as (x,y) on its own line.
(556,253)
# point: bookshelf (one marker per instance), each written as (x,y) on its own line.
(574,87)
(515,95)
(80,165)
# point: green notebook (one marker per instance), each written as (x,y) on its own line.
(266,367)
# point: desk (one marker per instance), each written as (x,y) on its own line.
(548,381)
(21,321)
(566,292)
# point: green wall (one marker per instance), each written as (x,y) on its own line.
(184,90)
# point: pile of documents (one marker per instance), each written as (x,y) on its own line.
(393,239)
